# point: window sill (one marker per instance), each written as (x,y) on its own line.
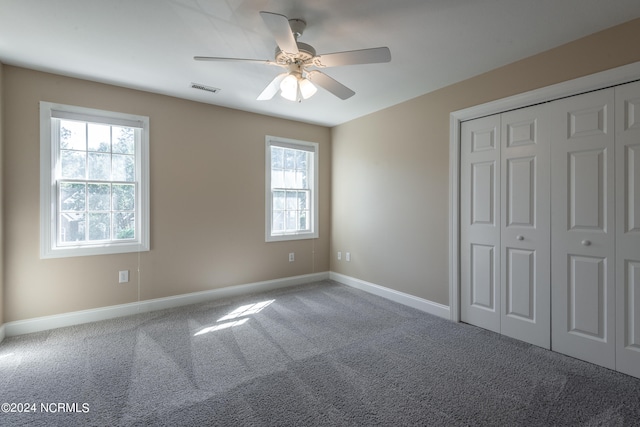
(107,249)
(288,237)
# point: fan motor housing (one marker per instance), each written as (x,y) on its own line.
(305,53)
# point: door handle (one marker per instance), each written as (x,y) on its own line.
(586,243)
(520,237)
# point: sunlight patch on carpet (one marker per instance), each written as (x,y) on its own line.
(246,310)
(221,326)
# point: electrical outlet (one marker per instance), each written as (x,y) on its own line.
(348,256)
(123,276)
(339,255)
(292,256)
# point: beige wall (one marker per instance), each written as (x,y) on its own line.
(390,169)
(207,201)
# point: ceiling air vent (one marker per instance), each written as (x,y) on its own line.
(206,88)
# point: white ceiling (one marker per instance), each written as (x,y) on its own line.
(150,44)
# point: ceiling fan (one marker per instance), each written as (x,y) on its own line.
(302,63)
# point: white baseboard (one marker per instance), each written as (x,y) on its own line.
(85,316)
(400,297)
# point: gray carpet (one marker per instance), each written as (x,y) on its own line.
(319,354)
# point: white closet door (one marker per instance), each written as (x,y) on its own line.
(525,239)
(628,228)
(582,233)
(480,223)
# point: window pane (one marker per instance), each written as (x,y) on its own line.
(290,178)
(302,200)
(292,203)
(123,168)
(123,140)
(303,220)
(124,197)
(72,227)
(289,159)
(277,158)
(278,200)
(278,222)
(100,166)
(301,160)
(73,164)
(291,221)
(301,179)
(99,137)
(99,197)
(124,225)
(99,226)
(277,179)
(73,135)
(72,196)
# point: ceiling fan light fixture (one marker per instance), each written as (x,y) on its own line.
(296,88)
(307,89)
(289,88)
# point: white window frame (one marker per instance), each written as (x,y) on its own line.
(312,147)
(49,165)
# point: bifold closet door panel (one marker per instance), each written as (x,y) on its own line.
(525,233)
(628,228)
(480,223)
(582,227)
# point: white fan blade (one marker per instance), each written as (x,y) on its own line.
(217,58)
(273,88)
(329,84)
(279,27)
(353,57)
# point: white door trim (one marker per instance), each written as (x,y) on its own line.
(601,80)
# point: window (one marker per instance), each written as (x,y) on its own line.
(291,189)
(94,182)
